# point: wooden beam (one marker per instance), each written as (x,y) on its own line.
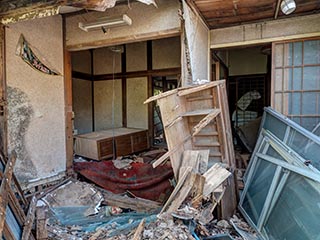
(3,95)
(174,32)
(92,88)
(30,219)
(5,184)
(68,100)
(124,86)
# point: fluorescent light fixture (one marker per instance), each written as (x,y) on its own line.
(106,23)
(288,6)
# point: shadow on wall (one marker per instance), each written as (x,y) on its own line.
(19,115)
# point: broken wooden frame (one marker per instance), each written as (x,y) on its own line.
(281,194)
(197,118)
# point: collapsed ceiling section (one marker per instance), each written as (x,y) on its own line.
(15,11)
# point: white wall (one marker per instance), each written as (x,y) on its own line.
(36,100)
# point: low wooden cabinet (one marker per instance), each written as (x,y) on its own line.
(99,145)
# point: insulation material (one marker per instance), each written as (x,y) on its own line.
(197,34)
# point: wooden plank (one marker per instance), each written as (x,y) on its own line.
(191,158)
(5,184)
(3,95)
(204,158)
(176,189)
(136,204)
(200,98)
(159,96)
(30,219)
(200,112)
(215,176)
(169,153)
(183,192)
(205,121)
(200,88)
(41,225)
(139,230)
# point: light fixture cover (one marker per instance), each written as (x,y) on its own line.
(288,6)
(106,23)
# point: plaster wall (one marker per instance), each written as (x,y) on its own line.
(81,61)
(36,123)
(247,61)
(105,61)
(104,105)
(137,93)
(82,105)
(147,22)
(136,56)
(264,32)
(166,53)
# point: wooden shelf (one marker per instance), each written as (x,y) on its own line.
(201,112)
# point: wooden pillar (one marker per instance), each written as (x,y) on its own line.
(3,95)
(124,86)
(68,100)
(150,91)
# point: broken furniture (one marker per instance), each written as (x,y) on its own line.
(14,224)
(197,118)
(282,184)
(111,143)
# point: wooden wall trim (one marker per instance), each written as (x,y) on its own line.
(81,75)
(136,74)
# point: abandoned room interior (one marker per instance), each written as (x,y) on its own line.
(160,119)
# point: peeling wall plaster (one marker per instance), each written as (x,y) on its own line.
(19,116)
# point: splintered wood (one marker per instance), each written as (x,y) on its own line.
(215,176)
(198,133)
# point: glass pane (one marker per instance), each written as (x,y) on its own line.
(311,78)
(305,147)
(297,212)
(296,120)
(279,55)
(309,123)
(258,189)
(312,52)
(288,54)
(275,126)
(278,80)
(297,76)
(297,51)
(309,103)
(273,153)
(295,100)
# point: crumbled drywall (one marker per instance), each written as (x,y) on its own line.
(19,114)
